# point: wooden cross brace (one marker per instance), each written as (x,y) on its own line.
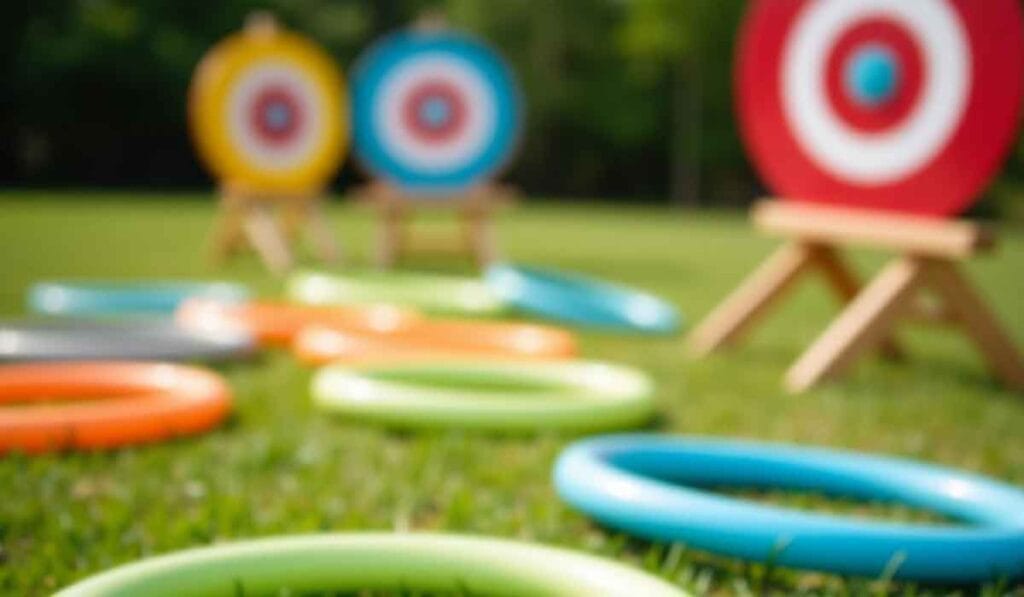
(474,207)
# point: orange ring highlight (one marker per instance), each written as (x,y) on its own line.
(435,339)
(274,323)
(113,403)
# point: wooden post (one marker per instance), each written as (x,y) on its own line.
(865,321)
(846,286)
(309,214)
(265,237)
(978,322)
(927,250)
(727,324)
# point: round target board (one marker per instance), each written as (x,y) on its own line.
(906,105)
(268,110)
(434,111)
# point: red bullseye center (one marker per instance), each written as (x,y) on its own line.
(434,111)
(874,75)
(276,115)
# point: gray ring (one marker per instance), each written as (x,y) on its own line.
(145,340)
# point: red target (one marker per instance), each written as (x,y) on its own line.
(905,105)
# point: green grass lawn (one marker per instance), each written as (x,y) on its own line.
(281,467)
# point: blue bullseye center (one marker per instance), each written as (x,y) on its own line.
(435,112)
(278,116)
(872,76)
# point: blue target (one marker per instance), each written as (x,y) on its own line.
(434,112)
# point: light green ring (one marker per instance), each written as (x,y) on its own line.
(359,561)
(585,395)
(433,293)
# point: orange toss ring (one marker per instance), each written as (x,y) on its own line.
(105,404)
(435,339)
(276,323)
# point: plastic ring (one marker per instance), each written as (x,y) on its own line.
(272,323)
(493,395)
(646,485)
(141,402)
(572,298)
(451,295)
(87,299)
(374,561)
(428,339)
(118,340)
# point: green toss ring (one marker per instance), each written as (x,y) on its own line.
(433,293)
(366,561)
(512,396)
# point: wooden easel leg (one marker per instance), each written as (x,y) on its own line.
(479,235)
(291,219)
(309,214)
(228,231)
(389,236)
(978,322)
(265,236)
(727,323)
(846,286)
(324,243)
(864,323)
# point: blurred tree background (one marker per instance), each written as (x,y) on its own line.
(626,99)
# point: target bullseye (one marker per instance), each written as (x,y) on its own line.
(434,112)
(268,112)
(871,76)
(906,106)
(276,115)
(874,76)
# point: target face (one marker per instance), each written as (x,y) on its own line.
(905,105)
(269,112)
(434,111)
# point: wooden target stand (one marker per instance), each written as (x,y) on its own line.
(474,209)
(271,223)
(267,209)
(923,283)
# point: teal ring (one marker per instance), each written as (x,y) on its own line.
(656,487)
(109,298)
(576,299)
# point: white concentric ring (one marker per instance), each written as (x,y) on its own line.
(872,159)
(443,155)
(247,140)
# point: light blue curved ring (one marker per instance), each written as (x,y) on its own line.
(649,485)
(392,52)
(576,299)
(108,298)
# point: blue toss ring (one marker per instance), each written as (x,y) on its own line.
(108,298)
(648,485)
(415,55)
(576,299)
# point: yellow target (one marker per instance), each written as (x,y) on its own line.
(269,112)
